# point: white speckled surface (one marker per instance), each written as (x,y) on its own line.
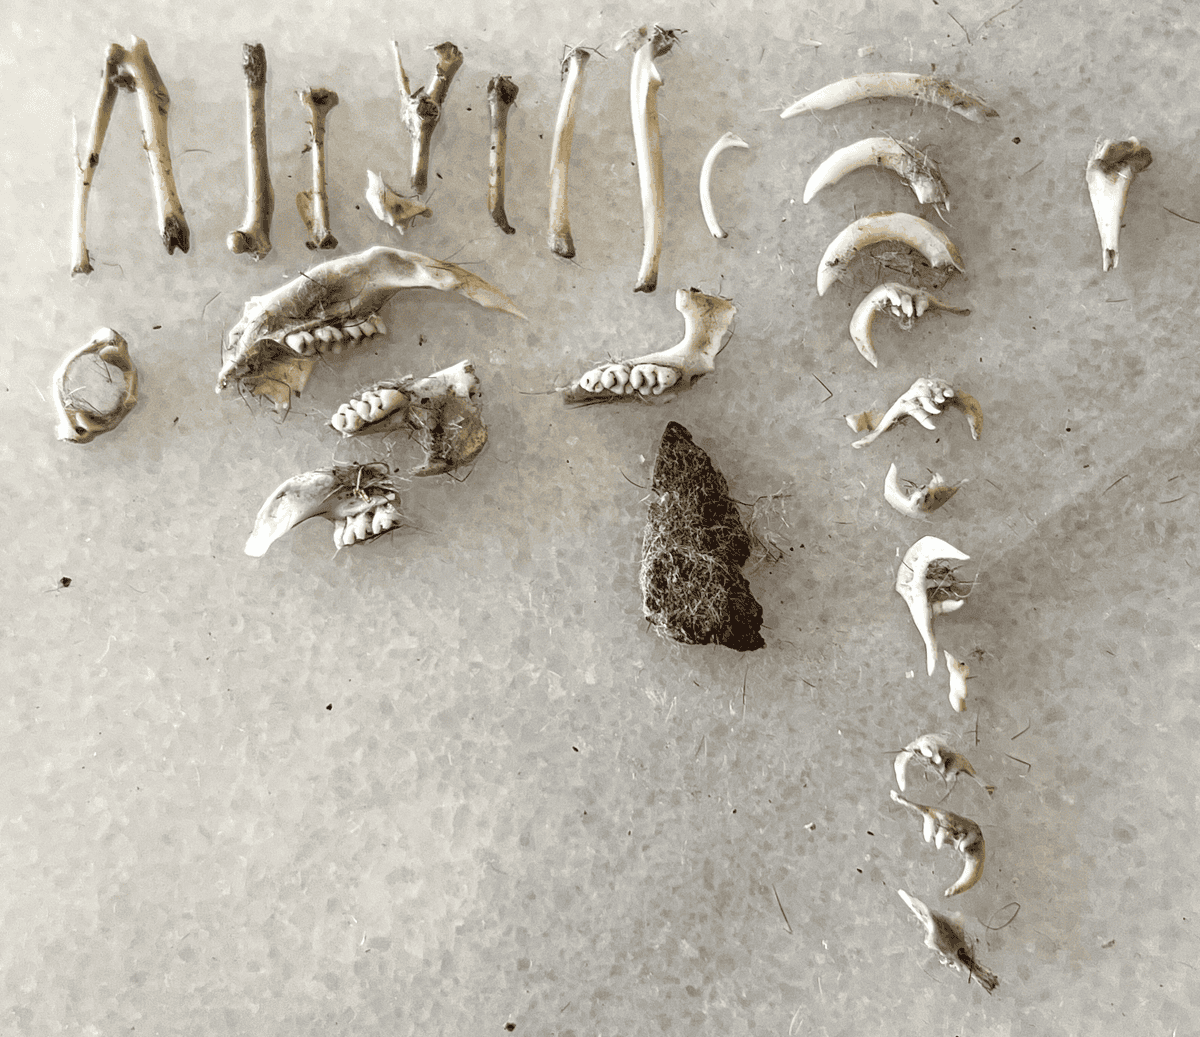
(447,781)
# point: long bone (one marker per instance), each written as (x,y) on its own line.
(910,85)
(658,377)
(254,236)
(314,205)
(899,301)
(132,69)
(724,143)
(558,237)
(914,167)
(422,108)
(924,397)
(935,752)
(947,937)
(78,421)
(921,499)
(914,586)
(502,92)
(272,350)
(393,209)
(438,411)
(913,231)
(1112,168)
(942,827)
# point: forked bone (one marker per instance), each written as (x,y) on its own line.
(919,500)
(942,827)
(314,205)
(393,209)
(1110,171)
(254,236)
(658,377)
(910,85)
(914,167)
(947,937)
(724,143)
(913,585)
(272,350)
(422,108)
(79,421)
(938,250)
(924,397)
(935,752)
(899,301)
(502,92)
(559,234)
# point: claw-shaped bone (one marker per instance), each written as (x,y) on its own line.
(78,421)
(658,377)
(936,754)
(924,397)
(921,500)
(1111,169)
(272,350)
(558,237)
(502,92)
(393,209)
(947,937)
(914,167)
(959,672)
(438,411)
(422,108)
(314,205)
(942,827)
(910,85)
(913,585)
(359,500)
(724,143)
(254,235)
(899,301)
(938,250)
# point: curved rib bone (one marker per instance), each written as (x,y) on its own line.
(314,205)
(1111,169)
(899,301)
(724,142)
(913,231)
(949,939)
(658,377)
(914,167)
(78,422)
(913,585)
(254,236)
(559,234)
(393,209)
(421,109)
(936,754)
(872,85)
(924,397)
(942,827)
(502,92)
(921,500)
(271,351)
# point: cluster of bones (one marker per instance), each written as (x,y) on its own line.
(272,350)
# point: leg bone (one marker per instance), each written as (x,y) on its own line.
(502,92)
(314,205)
(254,236)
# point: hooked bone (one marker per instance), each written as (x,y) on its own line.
(943,827)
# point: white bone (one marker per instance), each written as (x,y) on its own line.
(938,250)
(922,499)
(934,751)
(254,235)
(314,205)
(924,397)
(947,937)
(914,167)
(872,85)
(79,422)
(1113,166)
(897,300)
(559,234)
(502,92)
(724,143)
(959,672)
(422,108)
(912,584)
(393,209)
(943,827)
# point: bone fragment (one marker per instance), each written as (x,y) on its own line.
(79,421)
(1112,168)
(893,84)
(924,397)
(947,937)
(502,92)
(559,234)
(959,672)
(314,205)
(899,301)
(393,209)
(936,754)
(942,827)
(914,167)
(921,499)
(254,236)
(421,109)
(724,142)
(938,250)
(913,585)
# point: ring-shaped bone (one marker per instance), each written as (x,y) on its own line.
(932,243)
(873,85)
(914,167)
(78,422)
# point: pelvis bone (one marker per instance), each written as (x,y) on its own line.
(78,421)
(658,377)
(942,827)
(914,585)
(272,350)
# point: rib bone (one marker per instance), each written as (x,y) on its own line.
(942,827)
(314,204)
(559,234)
(254,236)
(79,422)
(947,937)
(502,92)
(893,84)
(724,142)
(421,109)
(1111,169)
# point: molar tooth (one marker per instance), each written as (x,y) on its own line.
(363,408)
(380,521)
(362,525)
(589,381)
(667,377)
(388,398)
(354,331)
(377,325)
(295,341)
(325,333)
(609,378)
(637,375)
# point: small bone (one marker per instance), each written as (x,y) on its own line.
(502,92)
(913,585)
(914,167)
(921,500)
(724,142)
(254,236)
(947,937)
(934,751)
(658,377)
(924,397)
(938,250)
(897,300)
(942,827)
(959,672)
(393,209)
(314,205)
(893,84)
(78,422)
(421,109)
(559,234)
(1112,168)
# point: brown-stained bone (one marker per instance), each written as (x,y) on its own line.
(558,236)
(421,109)
(314,205)
(254,236)
(502,92)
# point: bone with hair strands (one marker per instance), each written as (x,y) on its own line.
(132,69)
(935,752)
(914,167)
(947,937)
(314,205)
(502,92)
(918,234)
(421,109)
(910,85)
(724,143)
(559,234)
(920,500)
(79,421)
(254,235)
(658,377)
(941,827)
(913,584)
(393,209)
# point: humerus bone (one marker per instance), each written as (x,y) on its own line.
(936,754)
(658,377)
(272,350)
(921,499)
(314,205)
(254,236)
(438,411)
(559,234)
(924,397)
(726,141)
(942,827)
(78,421)
(1111,169)
(132,69)
(359,500)
(421,109)
(893,84)
(900,301)
(393,209)
(914,167)
(947,937)
(959,672)
(502,92)
(914,586)
(913,231)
